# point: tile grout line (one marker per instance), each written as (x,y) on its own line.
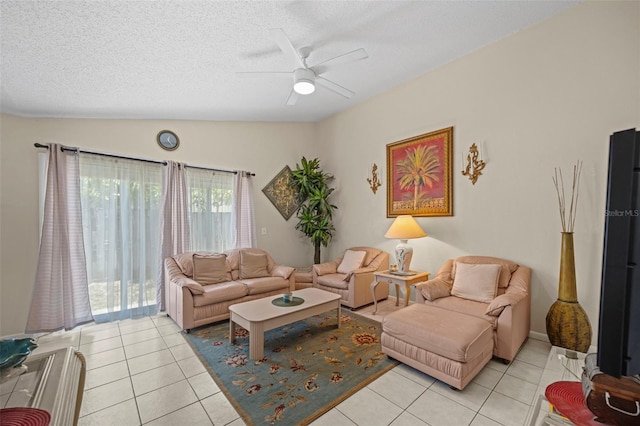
(530,362)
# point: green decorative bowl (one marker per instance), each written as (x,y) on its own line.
(14,351)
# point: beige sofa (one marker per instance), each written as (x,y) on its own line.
(200,287)
(355,285)
(509,312)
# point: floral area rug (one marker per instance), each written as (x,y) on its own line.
(308,367)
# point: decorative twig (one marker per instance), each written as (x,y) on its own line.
(568,224)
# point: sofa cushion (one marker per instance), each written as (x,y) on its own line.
(334,280)
(222,292)
(508,267)
(210,268)
(351,261)
(435,289)
(450,334)
(325,268)
(265,284)
(253,265)
(465,306)
(185,262)
(372,253)
(283,271)
(476,281)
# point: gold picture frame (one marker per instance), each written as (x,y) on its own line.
(419,171)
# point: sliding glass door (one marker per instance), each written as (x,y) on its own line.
(121,227)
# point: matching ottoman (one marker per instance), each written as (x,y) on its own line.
(449,346)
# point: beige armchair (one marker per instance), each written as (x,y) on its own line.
(509,312)
(353,285)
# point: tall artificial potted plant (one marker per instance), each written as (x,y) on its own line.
(315,214)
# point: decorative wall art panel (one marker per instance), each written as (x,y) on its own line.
(283,193)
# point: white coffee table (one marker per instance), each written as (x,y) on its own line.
(261,315)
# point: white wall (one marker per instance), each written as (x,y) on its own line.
(543,98)
(263,148)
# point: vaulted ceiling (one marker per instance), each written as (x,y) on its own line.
(180,59)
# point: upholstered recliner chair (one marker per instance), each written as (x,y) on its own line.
(351,276)
(506,307)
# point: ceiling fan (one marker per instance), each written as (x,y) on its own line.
(305,78)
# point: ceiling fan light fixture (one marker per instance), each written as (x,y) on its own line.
(303,81)
(304,87)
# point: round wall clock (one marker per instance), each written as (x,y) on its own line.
(168,140)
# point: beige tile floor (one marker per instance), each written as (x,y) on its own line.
(143,372)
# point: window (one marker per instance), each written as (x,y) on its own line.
(210,210)
(121,207)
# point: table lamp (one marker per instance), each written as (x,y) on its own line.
(403,228)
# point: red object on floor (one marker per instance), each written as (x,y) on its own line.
(568,399)
(24,416)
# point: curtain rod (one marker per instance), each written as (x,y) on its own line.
(164,163)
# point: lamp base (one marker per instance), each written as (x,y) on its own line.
(404,253)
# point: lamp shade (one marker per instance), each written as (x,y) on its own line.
(404,228)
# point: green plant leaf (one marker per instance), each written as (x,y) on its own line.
(315,214)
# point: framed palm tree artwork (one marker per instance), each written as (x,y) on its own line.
(419,175)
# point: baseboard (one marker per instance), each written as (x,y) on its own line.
(543,337)
(538,336)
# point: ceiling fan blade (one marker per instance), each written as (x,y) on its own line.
(264,74)
(334,87)
(293,98)
(280,38)
(355,55)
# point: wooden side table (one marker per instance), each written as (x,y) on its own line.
(397,280)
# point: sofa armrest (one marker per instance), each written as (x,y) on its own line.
(178,296)
(174,274)
(513,327)
(510,298)
(186,282)
(517,291)
(286,272)
(362,279)
(360,271)
(432,290)
(282,271)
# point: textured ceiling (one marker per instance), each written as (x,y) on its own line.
(178,59)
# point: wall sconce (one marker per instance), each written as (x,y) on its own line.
(374,181)
(474,164)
